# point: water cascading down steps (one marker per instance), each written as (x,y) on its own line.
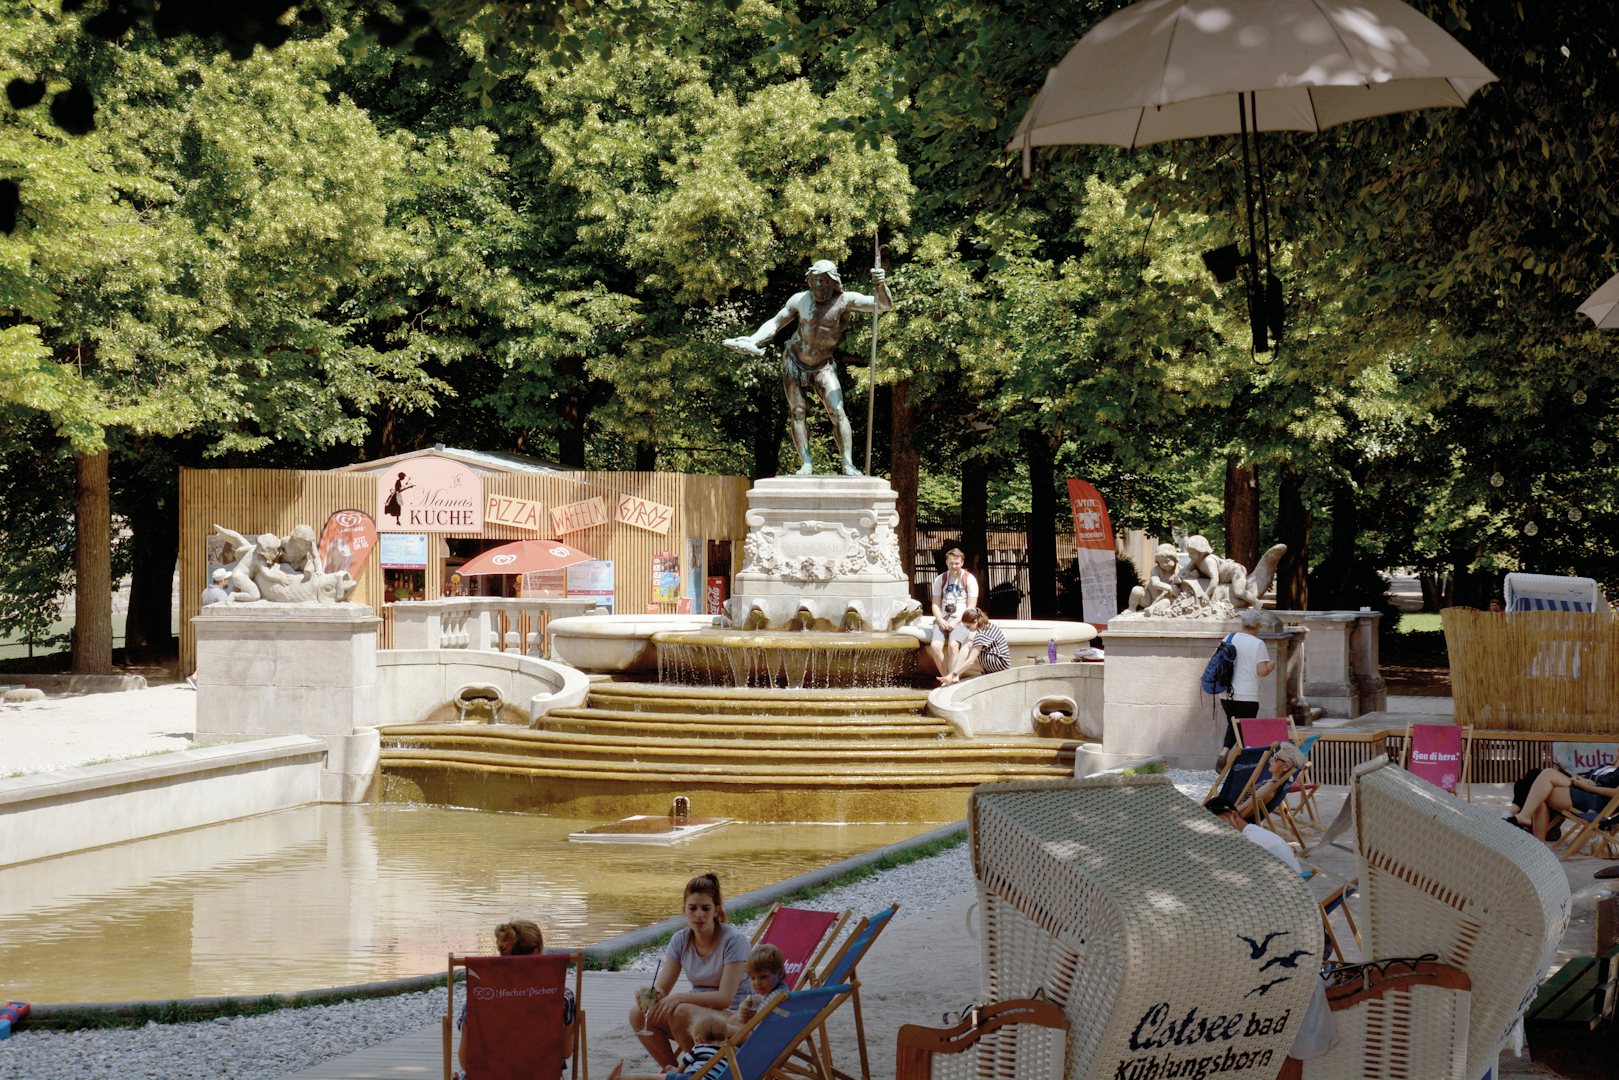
(753,754)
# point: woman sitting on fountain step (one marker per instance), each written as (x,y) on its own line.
(987,650)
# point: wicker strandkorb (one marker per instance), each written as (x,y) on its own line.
(1442,875)
(1174,946)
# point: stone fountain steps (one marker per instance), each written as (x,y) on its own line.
(636,697)
(525,748)
(743,771)
(590,721)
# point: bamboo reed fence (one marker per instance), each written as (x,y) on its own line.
(1535,671)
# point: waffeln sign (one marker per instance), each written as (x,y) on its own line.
(585,514)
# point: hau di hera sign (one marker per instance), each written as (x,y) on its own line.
(430,495)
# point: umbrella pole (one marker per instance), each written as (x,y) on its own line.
(1264,218)
(1256,327)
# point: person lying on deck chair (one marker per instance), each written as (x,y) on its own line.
(1540,795)
(1285,762)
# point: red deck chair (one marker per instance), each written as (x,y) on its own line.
(514,1016)
(1440,754)
(803,936)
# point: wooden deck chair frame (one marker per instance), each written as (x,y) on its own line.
(580,1056)
(1303,786)
(810,976)
(813,1056)
(1465,779)
(1338,901)
(727,1055)
(1231,763)
(1586,831)
(916,1046)
(1278,810)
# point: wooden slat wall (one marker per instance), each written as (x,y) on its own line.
(274,500)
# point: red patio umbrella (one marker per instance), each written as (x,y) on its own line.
(524,557)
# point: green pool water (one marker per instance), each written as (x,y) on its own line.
(328,895)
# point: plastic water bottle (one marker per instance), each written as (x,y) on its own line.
(1051,650)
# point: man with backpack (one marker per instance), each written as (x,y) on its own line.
(1251,663)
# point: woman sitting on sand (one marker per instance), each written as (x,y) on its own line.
(714,956)
(1540,795)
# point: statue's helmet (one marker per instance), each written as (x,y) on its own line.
(824,266)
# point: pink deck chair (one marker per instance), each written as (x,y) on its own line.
(803,936)
(1439,754)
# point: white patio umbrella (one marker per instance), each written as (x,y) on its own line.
(1178,69)
(1602,306)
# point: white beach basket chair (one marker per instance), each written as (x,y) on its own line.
(1444,877)
(1166,938)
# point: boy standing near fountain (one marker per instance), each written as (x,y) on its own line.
(954,592)
(988,648)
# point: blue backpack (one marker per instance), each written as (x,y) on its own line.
(1222,665)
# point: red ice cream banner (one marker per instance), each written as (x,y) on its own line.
(347,541)
(1093,534)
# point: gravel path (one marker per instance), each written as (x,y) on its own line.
(274,1044)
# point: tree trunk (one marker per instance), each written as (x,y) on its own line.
(770,409)
(975,520)
(575,408)
(154,525)
(646,457)
(1342,557)
(92,587)
(1293,527)
(904,463)
(1242,512)
(1042,527)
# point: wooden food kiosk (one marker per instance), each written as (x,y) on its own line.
(658,537)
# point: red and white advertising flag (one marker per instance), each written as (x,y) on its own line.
(1098,569)
(347,540)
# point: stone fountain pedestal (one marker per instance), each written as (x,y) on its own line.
(1153,705)
(821,554)
(267,669)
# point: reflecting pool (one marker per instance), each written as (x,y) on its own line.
(328,895)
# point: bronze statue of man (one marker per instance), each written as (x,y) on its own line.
(807,363)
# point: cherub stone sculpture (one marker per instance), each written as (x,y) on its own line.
(284,570)
(1208,587)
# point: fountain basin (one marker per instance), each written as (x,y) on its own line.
(611,644)
(784,658)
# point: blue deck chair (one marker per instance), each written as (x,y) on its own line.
(813,1060)
(767,1041)
(1238,776)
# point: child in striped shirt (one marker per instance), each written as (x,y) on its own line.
(708,1030)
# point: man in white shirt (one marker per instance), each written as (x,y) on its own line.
(1221,808)
(954,591)
(1253,663)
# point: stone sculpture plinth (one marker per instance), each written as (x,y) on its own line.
(1153,705)
(821,554)
(293,669)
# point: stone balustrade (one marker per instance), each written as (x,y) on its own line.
(480,622)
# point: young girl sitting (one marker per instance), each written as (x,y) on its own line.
(709,1031)
(521,937)
(767,973)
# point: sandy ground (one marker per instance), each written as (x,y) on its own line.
(920,969)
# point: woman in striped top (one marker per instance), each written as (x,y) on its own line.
(988,650)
